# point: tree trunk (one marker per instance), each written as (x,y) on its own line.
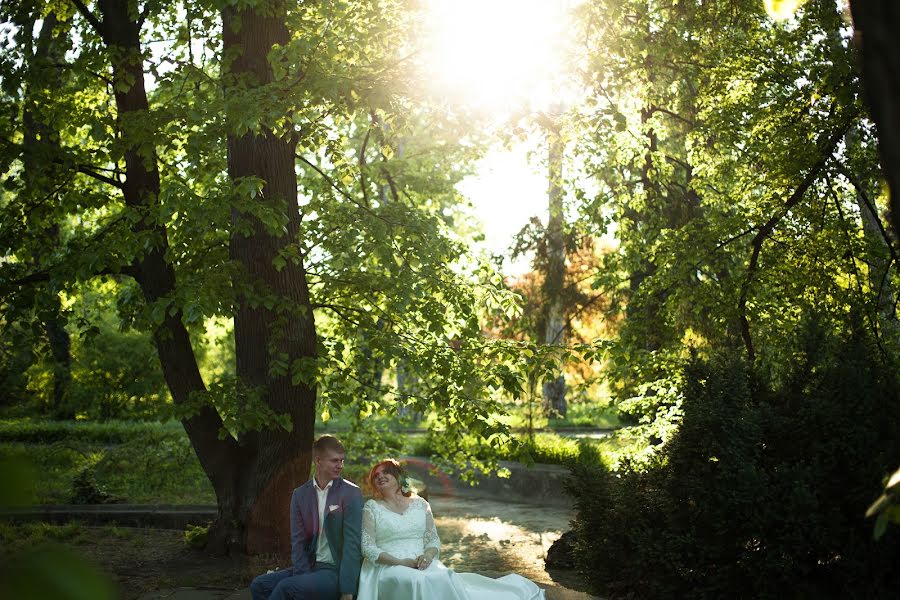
(876,23)
(271,338)
(60,349)
(231,473)
(879,278)
(554,391)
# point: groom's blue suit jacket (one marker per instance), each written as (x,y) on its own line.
(343,527)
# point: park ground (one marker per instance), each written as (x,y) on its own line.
(480,535)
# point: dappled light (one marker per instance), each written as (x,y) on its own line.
(615,282)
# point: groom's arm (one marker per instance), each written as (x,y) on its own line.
(299,557)
(351,557)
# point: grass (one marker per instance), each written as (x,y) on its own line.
(154,463)
(15,536)
(578,415)
(144,470)
(582,415)
(109,432)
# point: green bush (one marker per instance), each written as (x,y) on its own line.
(195,536)
(132,462)
(760,494)
(85,489)
(116,374)
(161,469)
(544,448)
(109,432)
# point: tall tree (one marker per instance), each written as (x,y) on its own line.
(180,170)
(273,319)
(45,55)
(555,326)
(722,171)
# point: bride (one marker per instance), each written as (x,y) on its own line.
(400,547)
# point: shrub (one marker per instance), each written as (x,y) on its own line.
(195,536)
(109,432)
(85,489)
(133,462)
(760,494)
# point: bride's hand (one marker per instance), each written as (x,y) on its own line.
(423,562)
(412,563)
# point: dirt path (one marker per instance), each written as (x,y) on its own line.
(495,538)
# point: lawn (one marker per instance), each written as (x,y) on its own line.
(154,463)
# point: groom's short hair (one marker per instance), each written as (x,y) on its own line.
(327,443)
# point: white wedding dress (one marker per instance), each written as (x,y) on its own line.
(407,535)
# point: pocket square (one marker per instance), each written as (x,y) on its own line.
(333,507)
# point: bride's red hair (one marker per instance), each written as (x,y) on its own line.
(392,467)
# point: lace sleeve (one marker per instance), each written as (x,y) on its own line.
(370,549)
(431,535)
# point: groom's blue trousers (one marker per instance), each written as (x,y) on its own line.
(319,584)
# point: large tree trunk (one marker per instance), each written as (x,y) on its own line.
(876,24)
(237,484)
(271,338)
(554,391)
(252,478)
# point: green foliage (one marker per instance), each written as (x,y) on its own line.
(368,440)
(887,507)
(760,490)
(86,491)
(136,463)
(117,375)
(382,241)
(32,564)
(544,448)
(195,536)
(114,370)
(14,336)
(53,571)
(733,163)
(109,432)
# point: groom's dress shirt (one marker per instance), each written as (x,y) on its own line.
(323,549)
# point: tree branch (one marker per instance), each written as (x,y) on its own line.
(384,170)
(328,179)
(873,321)
(341,190)
(765,230)
(89,17)
(43,276)
(845,171)
(655,109)
(87,170)
(362,168)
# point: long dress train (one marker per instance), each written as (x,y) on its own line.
(408,535)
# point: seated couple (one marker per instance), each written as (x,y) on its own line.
(385,550)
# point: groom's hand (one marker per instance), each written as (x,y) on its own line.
(346,596)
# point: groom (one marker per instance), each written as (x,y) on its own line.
(326,519)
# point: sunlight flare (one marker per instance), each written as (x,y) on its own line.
(782,9)
(497,55)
